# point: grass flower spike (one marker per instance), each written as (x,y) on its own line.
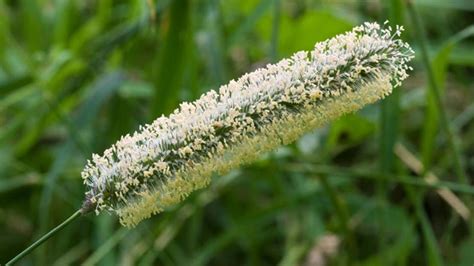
(163,162)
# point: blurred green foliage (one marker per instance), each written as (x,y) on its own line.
(76,75)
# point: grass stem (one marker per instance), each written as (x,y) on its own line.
(44,238)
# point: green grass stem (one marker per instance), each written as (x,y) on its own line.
(40,241)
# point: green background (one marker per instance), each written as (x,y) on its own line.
(75,75)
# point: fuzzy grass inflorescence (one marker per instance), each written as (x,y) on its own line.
(163,162)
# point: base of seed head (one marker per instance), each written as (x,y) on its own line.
(162,163)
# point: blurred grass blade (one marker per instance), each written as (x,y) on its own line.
(467,5)
(18,182)
(275,30)
(416,166)
(102,251)
(250,21)
(172,58)
(440,65)
(390,107)
(374,175)
(434,88)
(35,37)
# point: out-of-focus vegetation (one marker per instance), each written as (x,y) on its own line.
(76,75)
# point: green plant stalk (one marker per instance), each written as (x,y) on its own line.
(341,211)
(389,121)
(435,90)
(389,124)
(275,30)
(374,175)
(390,108)
(171,65)
(44,238)
(420,36)
(432,248)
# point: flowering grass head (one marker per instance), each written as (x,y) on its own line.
(163,162)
